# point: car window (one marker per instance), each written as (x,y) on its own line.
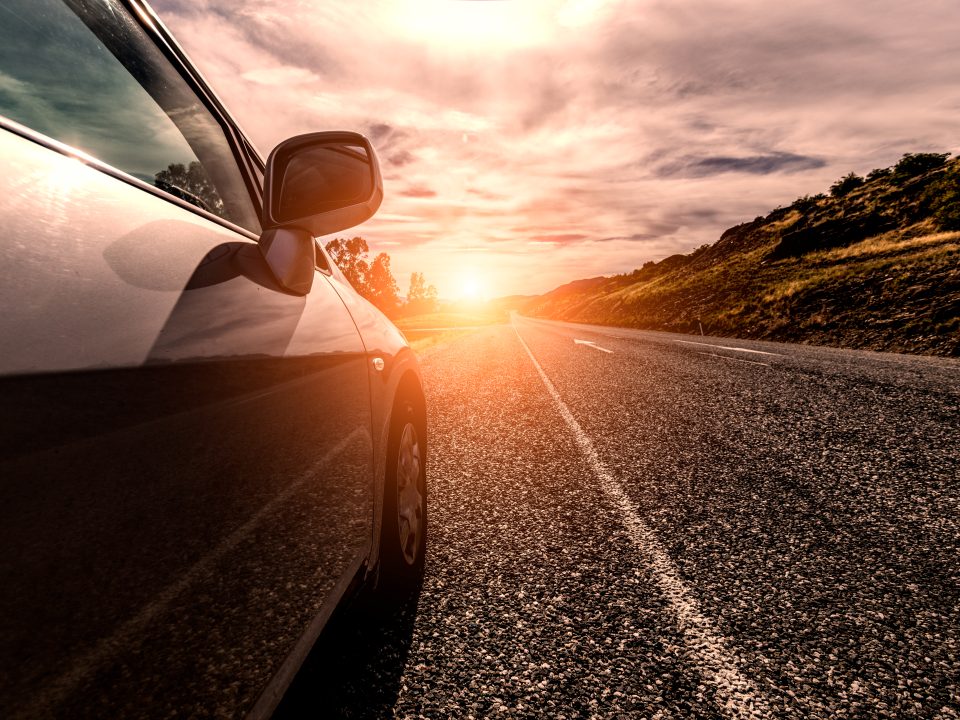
(85,73)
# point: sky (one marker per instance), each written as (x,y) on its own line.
(527,143)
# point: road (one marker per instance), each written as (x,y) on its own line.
(635,524)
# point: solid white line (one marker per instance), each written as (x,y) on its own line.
(591,343)
(725,357)
(730,347)
(735,695)
(45,704)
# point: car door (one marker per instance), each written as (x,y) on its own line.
(185,448)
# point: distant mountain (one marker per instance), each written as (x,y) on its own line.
(875,264)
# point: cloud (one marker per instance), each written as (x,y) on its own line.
(280,75)
(558,239)
(486,194)
(400,158)
(636,237)
(418,192)
(754,165)
(569,138)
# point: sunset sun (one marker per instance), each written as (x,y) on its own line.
(472,288)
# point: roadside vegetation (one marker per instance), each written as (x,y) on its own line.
(873,264)
(421,315)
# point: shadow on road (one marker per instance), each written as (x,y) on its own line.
(354,669)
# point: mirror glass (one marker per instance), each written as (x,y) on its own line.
(323,177)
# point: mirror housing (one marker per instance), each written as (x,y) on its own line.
(322,183)
(315,184)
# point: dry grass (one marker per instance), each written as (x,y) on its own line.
(890,243)
(874,257)
(831,284)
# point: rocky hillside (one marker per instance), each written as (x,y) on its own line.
(875,264)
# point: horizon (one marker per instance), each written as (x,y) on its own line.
(526,145)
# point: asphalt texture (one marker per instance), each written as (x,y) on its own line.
(667,526)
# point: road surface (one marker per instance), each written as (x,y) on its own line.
(635,524)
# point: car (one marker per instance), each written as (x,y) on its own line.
(209,439)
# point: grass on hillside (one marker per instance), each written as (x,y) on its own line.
(876,264)
(898,291)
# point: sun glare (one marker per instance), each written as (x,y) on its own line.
(471,288)
(459,23)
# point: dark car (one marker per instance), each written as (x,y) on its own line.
(209,439)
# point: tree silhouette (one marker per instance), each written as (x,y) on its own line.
(943,197)
(421,298)
(845,185)
(373,280)
(351,257)
(381,287)
(912,164)
(190,183)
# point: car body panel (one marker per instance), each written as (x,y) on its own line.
(187,451)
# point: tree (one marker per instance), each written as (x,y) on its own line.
(381,287)
(943,197)
(421,298)
(912,164)
(351,257)
(190,183)
(373,280)
(845,185)
(807,203)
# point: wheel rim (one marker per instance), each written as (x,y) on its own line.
(409,499)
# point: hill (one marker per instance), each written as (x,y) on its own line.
(875,264)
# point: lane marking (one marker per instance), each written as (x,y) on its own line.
(734,695)
(86,664)
(591,343)
(729,347)
(727,357)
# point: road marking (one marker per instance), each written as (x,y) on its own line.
(727,357)
(85,665)
(734,695)
(591,343)
(729,347)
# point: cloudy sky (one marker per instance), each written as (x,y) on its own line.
(526,143)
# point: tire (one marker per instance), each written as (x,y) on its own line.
(403,535)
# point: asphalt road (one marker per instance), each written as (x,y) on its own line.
(667,526)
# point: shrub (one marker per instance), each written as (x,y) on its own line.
(879,174)
(944,199)
(808,202)
(846,185)
(913,164)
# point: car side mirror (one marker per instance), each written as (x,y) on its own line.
(314,185)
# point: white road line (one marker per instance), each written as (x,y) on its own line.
(734,694)
(726,357)
(591,343)
(81,667)
(729,347)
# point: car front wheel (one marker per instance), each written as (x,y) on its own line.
(404,529)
